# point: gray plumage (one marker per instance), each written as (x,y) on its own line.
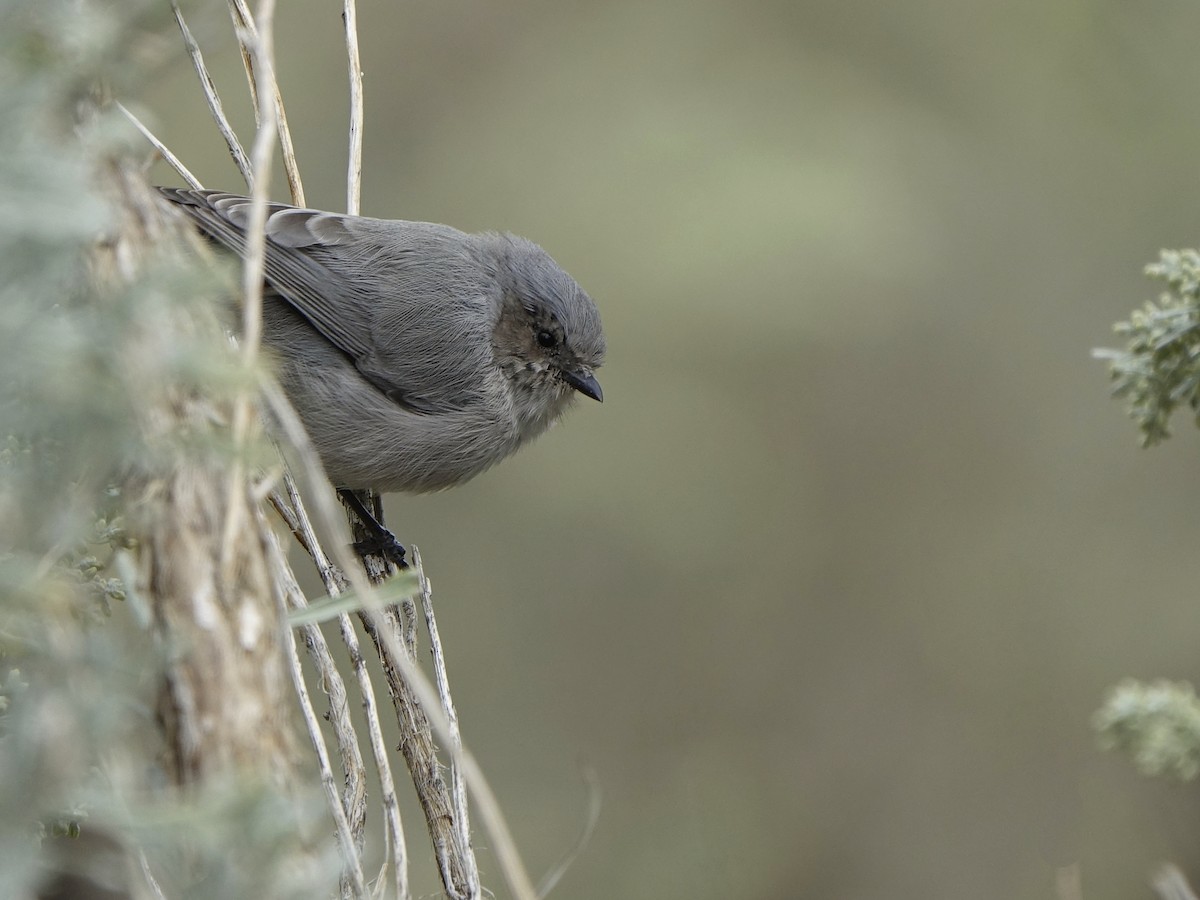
(415,354)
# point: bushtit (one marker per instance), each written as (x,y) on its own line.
(416,355)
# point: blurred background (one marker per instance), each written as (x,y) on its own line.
(828,588)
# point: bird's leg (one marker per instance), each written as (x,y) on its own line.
(379,540)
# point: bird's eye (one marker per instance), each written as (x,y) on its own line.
(546,339)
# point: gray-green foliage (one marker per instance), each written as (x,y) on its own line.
(79,361)
(48,214)
(1157,724)
(1159,369)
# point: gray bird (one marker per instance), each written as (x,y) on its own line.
(416,355)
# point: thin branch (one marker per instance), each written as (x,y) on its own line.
(354,795)
(1170,884)
(350,852)
(458,790)
(297,518)
(243,23)
(159,146)
(247,35)
(354,165)
(294,513)
(391,806)
(425,696)
(254,260)
(551,878)
(254,263)
(303,456)
(214,99)
(151,882)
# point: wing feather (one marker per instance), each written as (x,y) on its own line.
(364,285)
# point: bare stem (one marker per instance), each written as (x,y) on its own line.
(162,148)
(254,262)
(354,165)
(247,35)
(214,99)
(297,518)
(458,789)
(425,699)
(351,847)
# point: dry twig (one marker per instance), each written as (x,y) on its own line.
(458,791)
(172,160)
(343,815)
(214,100)
(335,583)
(354,164)
(1170,884)
(425,702)
(247,35)
(254,262)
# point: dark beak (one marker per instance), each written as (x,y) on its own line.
(585,384)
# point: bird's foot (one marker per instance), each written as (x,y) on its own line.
(378,541)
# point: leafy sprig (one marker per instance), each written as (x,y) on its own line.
(1159,368)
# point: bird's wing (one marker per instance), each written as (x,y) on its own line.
(363,285)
